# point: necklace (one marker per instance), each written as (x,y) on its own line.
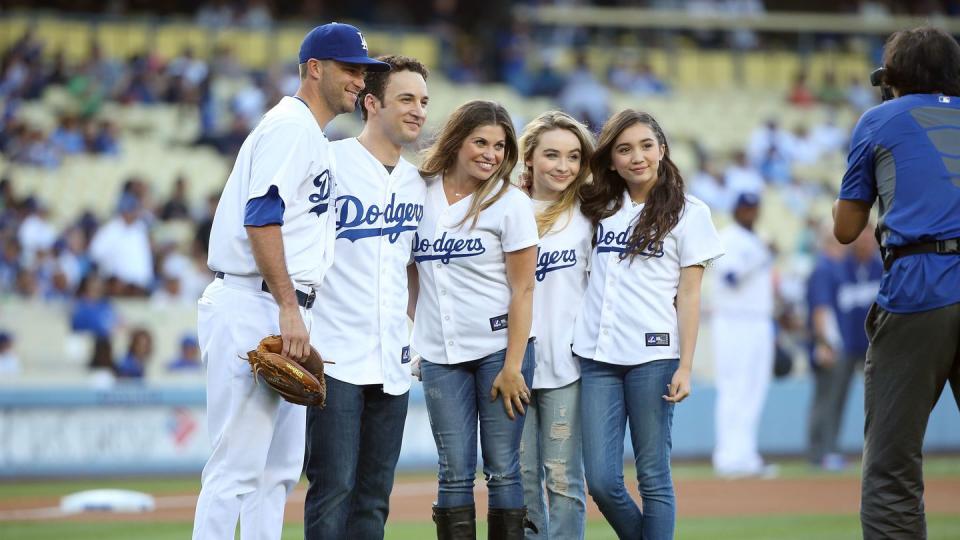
(461,191)
(461,195)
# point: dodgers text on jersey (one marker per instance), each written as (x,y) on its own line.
(549,261)
(443,249)
(608,241)
(397,218)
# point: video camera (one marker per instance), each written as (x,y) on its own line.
(877,77)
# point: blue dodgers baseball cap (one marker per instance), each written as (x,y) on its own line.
(340,42)
(748,198)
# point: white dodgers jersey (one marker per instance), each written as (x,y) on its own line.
(464,293)
(360,317)
(562,262)
(743,279)
(288,150)
(628,314)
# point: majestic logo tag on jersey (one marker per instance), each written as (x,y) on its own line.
(610,241)
(548,261)
(321,199)
(657,340)
(405,355)
(498,323)
(443,249)
(397,218)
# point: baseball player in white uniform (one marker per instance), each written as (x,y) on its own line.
(270,245)
(361,318)
(743,342)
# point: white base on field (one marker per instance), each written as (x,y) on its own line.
(107,500)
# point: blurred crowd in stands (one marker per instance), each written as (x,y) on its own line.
(154,245)
(139,252)
(477,45)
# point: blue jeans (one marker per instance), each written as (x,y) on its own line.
(457,396)
(612,395)
(352,449)
(551,456)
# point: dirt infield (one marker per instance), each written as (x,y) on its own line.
(411,501)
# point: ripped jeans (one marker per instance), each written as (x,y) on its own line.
(457,396)
(551,458)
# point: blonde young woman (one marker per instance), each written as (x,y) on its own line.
(475,252)
(556,150)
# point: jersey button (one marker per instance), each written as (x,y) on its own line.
(439,265)
(450,342)
(443,292)
(446,317)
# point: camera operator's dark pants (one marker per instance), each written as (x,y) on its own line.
(910,359)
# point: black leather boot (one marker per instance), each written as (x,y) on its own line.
(508,523)
(457,523)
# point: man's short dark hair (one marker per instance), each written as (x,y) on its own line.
(923,60)
(376,82)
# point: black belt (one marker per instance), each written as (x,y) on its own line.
(941,247)
(304,299)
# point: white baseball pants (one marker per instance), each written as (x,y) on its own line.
(743,351)
(258,438)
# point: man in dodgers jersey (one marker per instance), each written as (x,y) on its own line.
(742,341)
(270,244)
(361,320)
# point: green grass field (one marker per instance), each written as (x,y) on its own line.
(941,527)
(747,527)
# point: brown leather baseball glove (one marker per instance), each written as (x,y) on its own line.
(297,382)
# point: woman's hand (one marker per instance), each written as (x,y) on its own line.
(509,384)
(415,370)
(679,387)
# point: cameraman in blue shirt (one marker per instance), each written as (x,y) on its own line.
(906,153)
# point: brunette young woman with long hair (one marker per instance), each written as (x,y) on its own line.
(475,253)
(637,327)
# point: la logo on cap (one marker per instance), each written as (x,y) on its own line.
(363,42)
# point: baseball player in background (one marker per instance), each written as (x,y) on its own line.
(743,343)
(555,150)
(837,354)
(824,348)
(270,244)
(637,329)
(476,252)
(361,320)
(904,154)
